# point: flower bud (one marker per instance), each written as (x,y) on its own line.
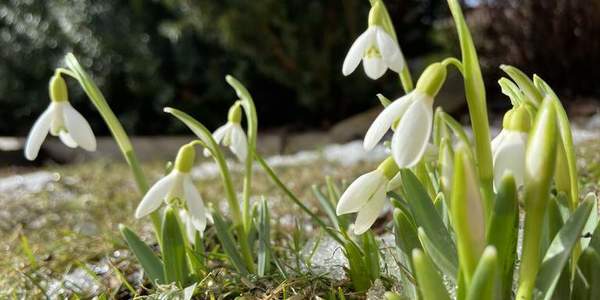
(377,15)
(468,212)
(518,120)
(58,88)
(235,113)
(541,149)
(185,158)
(389,168)
(432,79)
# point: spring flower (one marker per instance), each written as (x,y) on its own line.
(508,147)
(62,120)
(177,185)
(376,47)
(366,195)
(232,135)
(412,116)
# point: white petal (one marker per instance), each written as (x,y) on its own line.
(239,143)
(38,133)
(357,50)
(390,51)
(190,230)
(384,121)
(155,196)
(67,139)
(368,213)
(218,136)
(374,67)
(360,192)
(497,141)
(510,156)
(412,134)
(195,204)
(79,129)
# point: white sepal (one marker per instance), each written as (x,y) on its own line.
(38,133)
(155,195)
(412,134)
(385,120)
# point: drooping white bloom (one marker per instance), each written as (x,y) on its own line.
(366,195)
(414,114)
(62,120)
(378,52)
(176,184)
(508,152)
(232,135)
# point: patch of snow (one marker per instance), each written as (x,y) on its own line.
(32,182)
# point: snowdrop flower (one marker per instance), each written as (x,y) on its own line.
(508,147)
(231,134)
(411,115)
(62,120)
(177,185)
(366,195)
(376,47)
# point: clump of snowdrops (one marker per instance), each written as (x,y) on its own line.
(459,203)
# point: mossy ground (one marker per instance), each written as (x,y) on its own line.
(73,224)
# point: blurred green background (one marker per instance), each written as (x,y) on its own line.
(149,54)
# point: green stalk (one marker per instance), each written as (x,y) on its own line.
(115,127)
(206,137)
(252,123)
(476,101)
(540,168)
(295,199)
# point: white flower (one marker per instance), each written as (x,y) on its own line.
(378,51)
(190,229)
(176,184)
(366,195)
(508,151)
(62,120)
(415,113)
(233,136)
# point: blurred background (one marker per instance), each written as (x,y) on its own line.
(149,54)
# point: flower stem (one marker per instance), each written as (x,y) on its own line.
(115,127)
(476,101)
(295,199)
(530,260)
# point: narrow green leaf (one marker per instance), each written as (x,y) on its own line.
(437,256)
(372,256)
(384,100)
(357,269)
(327,206)
(592,221)
(425,215)
(173,249)
(227,242)
(468,212)
(484,283)
(152,265)
(476,99)
(525,84)
(511,90)
(587,281)
(264,238)
(406,237)
(429,280)
(502,232)
(560,250)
